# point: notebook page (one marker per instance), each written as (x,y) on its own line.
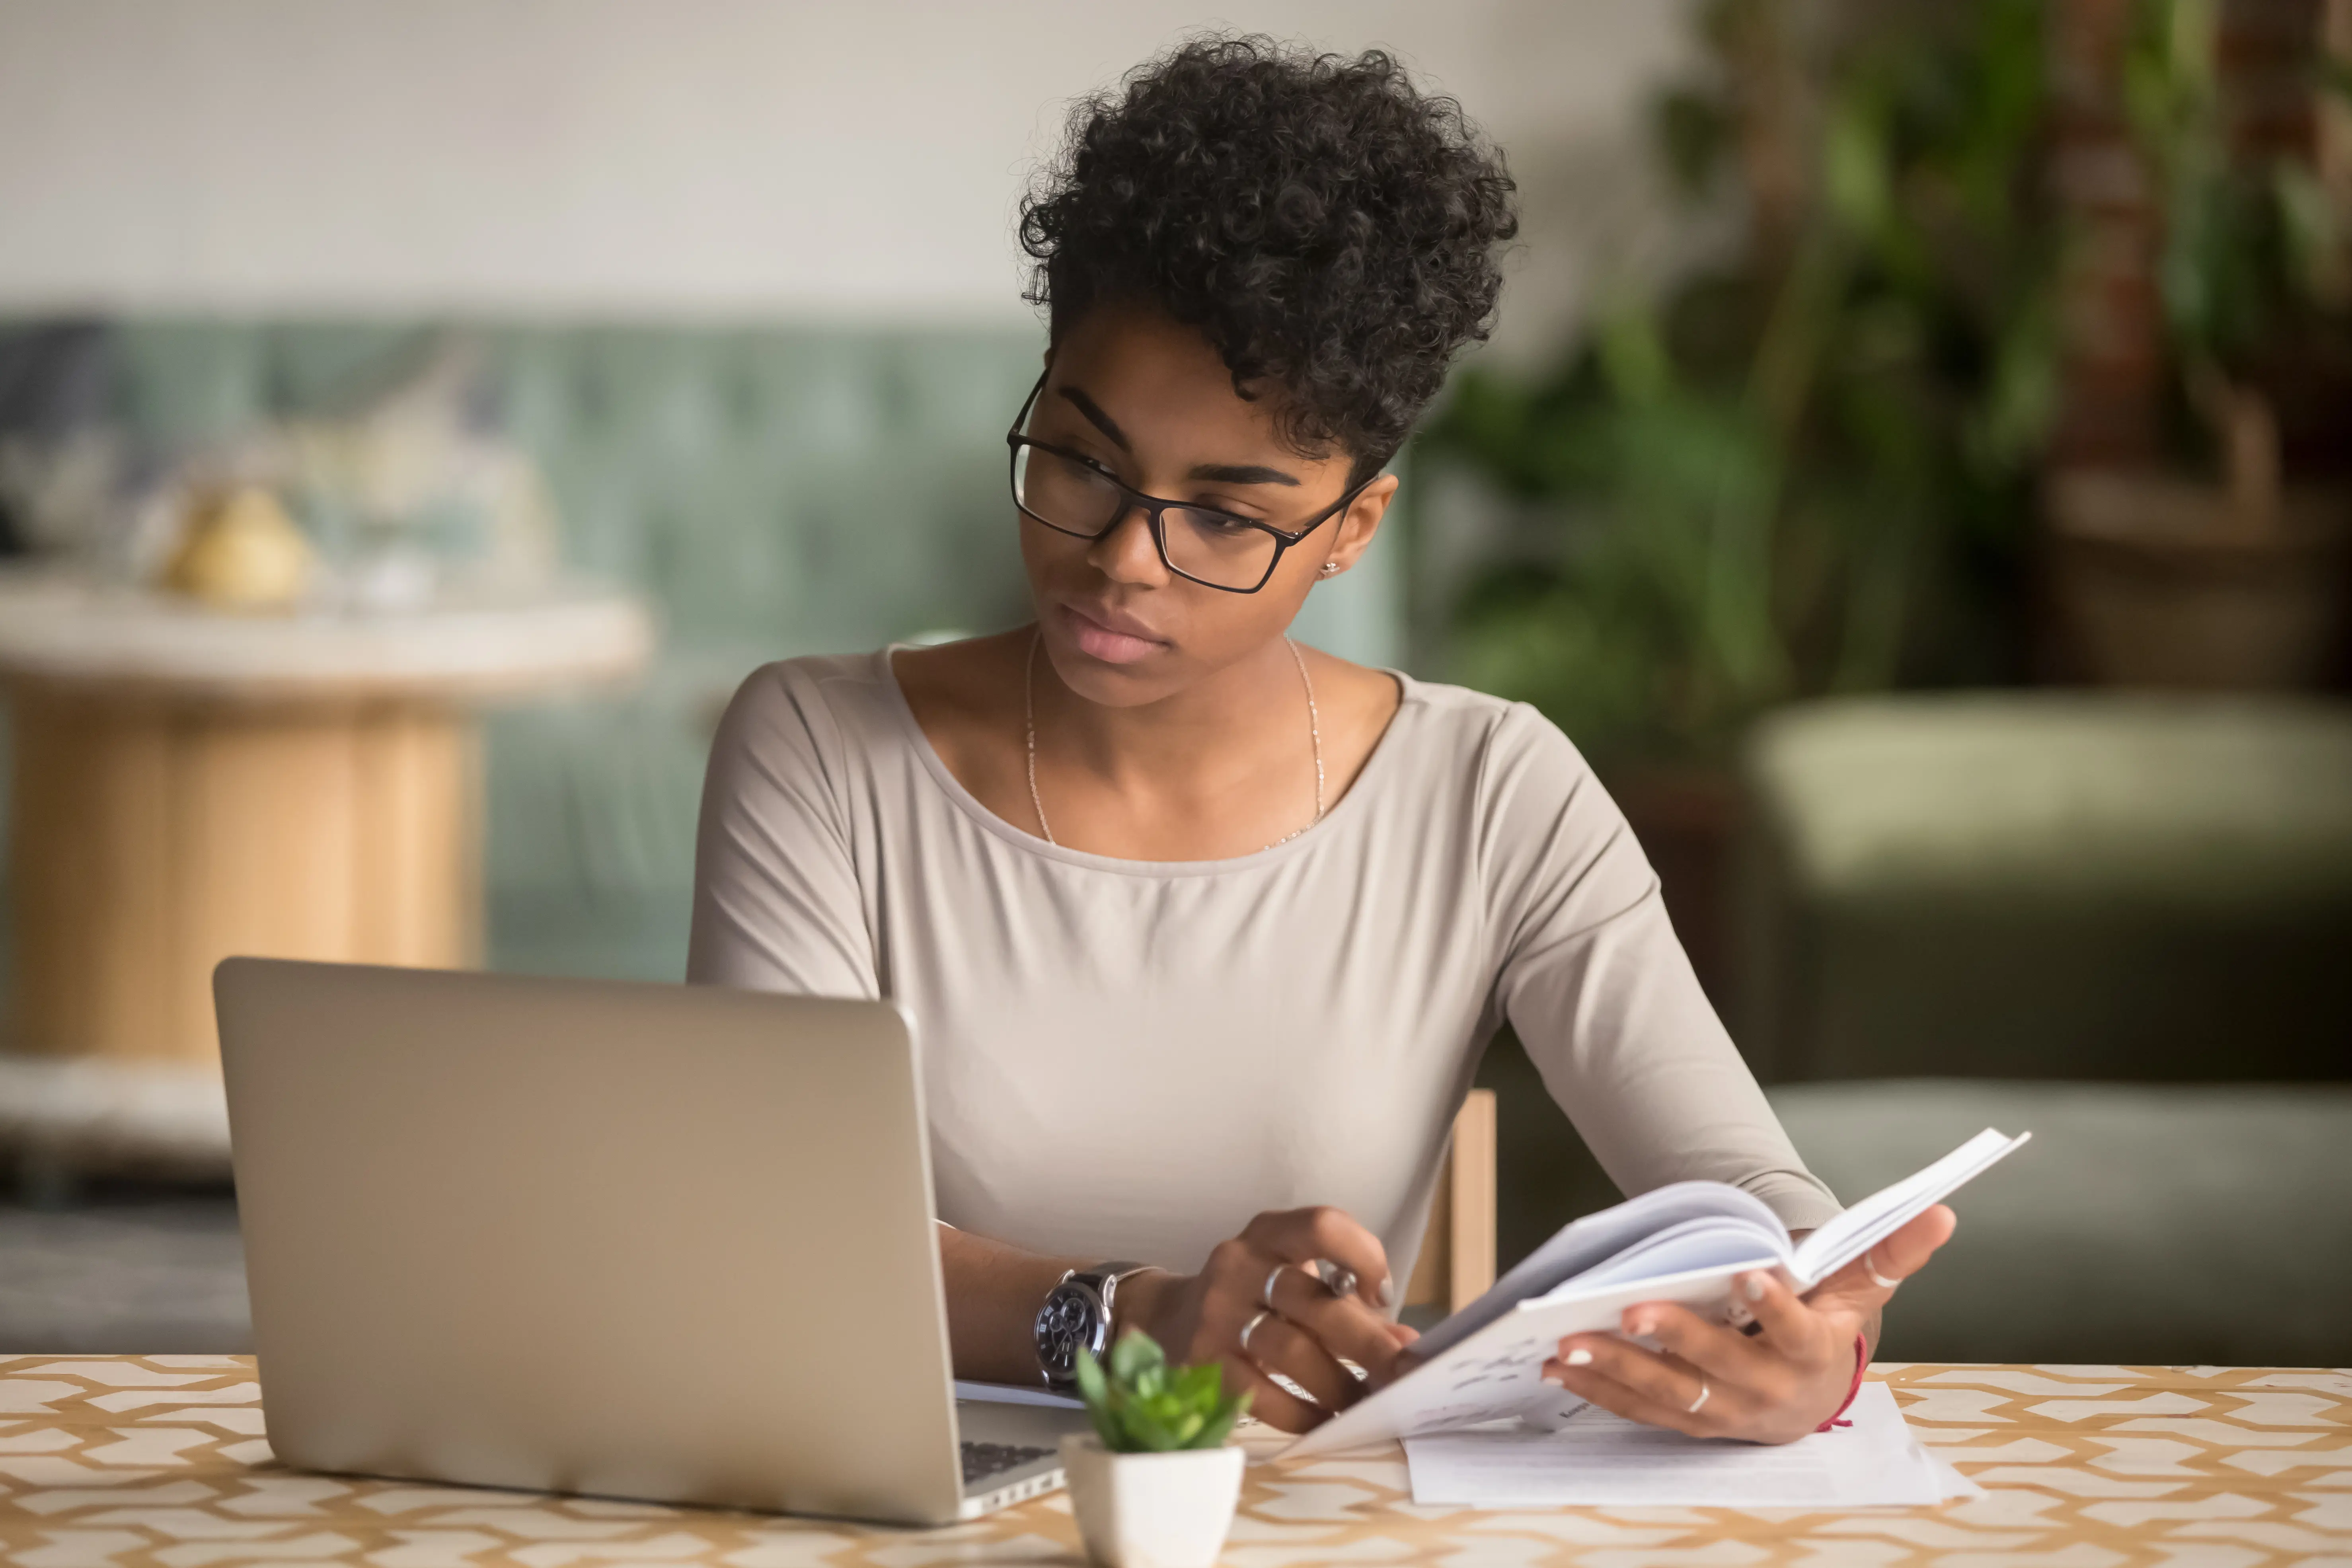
(1709,1243)
(1596,1239)
(1889,1209)
(1497,1372)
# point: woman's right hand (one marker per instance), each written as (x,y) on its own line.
(1302,1329)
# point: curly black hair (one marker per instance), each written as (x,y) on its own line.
(1331,228)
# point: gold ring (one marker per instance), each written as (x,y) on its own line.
(1881,1280)
(1703,1392)
(1251,1327)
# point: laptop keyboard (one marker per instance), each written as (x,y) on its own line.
(982,1460)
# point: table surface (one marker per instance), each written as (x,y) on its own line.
(58,626)
(161,1461)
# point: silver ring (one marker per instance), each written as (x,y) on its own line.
(1693,1408)
(1251,1327)
(1881,1280)
(1338,1277)
(1266,1297)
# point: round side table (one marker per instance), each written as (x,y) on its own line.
(190,784)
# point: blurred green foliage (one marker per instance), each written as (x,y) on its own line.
(2254,259)
(1805,468)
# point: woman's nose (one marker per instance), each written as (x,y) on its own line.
(1126,552)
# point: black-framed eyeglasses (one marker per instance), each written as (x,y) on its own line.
(1071,494)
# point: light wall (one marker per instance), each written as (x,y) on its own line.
(682,157)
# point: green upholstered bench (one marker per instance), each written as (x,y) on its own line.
(2146,1223)
(2048,885)
(2121,921)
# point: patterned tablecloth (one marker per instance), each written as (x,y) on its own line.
(160,1461)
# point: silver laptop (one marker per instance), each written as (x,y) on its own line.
(643,1241)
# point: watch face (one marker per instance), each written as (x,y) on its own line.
(1072,1321)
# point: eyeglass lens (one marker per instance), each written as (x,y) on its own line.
(1073,497)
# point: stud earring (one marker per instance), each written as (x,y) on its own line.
(1329,569)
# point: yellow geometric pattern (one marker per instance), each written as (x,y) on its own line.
(160,1462)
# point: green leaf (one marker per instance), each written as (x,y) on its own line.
(1693,133)
(1146,1431)
(1219,1427)
(1855,157)
(1633,356)
(1095,1391)
(1135,1354)
(1092,1387)
(1202,1386)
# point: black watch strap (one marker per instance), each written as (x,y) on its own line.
(1109,1276)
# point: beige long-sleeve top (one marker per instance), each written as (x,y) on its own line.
(1127,1058)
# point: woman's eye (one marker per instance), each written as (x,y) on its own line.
(1217,522)
(1073,452)
(1237,515)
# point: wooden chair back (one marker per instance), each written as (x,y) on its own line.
(1457,1253)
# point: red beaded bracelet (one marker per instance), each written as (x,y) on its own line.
(1861,1365)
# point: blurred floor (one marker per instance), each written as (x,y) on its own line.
(124,1267)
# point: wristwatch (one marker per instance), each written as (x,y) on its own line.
(1077,1317)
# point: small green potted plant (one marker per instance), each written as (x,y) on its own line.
(1154,1484)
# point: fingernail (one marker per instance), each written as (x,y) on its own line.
(1579,1357)
(1388,1290)
(1643,1325)
(1555,1380)
(1754,1285)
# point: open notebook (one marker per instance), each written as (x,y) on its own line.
(1682,1243)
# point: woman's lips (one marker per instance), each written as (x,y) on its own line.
(1096,640)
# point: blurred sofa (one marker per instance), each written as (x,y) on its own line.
(774,490)
(2165,1224)
(2048,885)
(2122,921)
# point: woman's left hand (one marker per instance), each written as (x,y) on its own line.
(1772,1386)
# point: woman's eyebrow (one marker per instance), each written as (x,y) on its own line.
(1095,416)
(1211,473)
(1241,474)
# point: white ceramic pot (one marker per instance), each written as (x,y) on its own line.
(1151,1511)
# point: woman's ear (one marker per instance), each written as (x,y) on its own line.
(1358,523)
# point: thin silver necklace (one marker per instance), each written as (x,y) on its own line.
(1029,721)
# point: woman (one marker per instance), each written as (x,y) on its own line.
(1198,924)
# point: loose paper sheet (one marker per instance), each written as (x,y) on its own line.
(1603,1460)
(1015,1394)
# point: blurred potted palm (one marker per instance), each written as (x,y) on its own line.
(1804,470)
(2215,571)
